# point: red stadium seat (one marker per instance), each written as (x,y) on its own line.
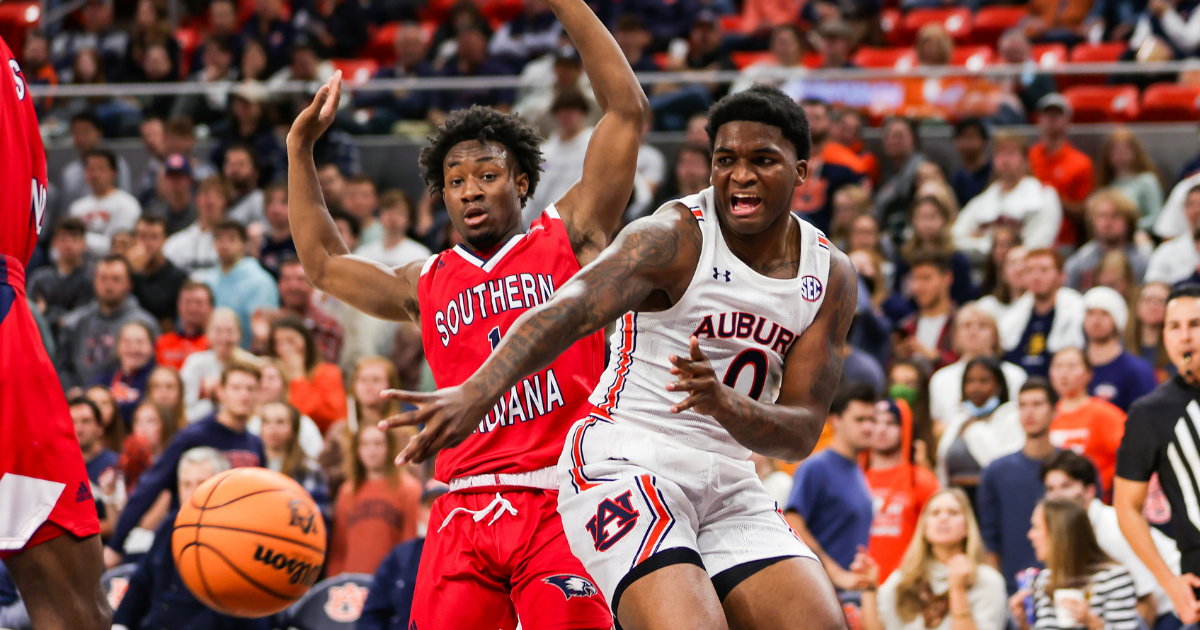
(899,58)
(1103,103)
(731,23)
(813,60)
(889,23)
(16,19)
(502,10)
(743,58)
(189,39)
(356,70)
(973,57)
(1167,102)
(1049,55)
(991,22)
(382,43)
(957,22)
(1098,53)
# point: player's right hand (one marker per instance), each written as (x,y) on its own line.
(450,415)
(1183,596)
(318,116)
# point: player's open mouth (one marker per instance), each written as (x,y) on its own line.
(475,216)
(743,204)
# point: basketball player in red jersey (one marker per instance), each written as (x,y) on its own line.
(49,533)
(495,550)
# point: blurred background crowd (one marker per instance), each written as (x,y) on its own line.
(1011,297)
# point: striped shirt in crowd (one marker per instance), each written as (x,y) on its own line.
(1110,593)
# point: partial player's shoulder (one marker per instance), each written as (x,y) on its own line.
(670,236)
(1164,403)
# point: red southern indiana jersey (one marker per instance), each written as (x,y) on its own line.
(22,163)
(467,304)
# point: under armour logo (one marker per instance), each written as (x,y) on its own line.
(717,274)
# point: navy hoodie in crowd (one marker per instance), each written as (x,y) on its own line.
(157,598)
(240,448)
(390,598)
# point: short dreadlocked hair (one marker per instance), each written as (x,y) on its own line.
(764,104)
(485,125)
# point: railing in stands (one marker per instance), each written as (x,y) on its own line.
(649,78)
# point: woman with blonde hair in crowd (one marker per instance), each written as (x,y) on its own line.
(365,404)
(975,335)
(1144,334)
(165,389)
(943,582)
(1115,271)
(377,506)
(1080,582)
(114,427)
(1125,166)
(280,432)
(273,388)
(201,371)
(931,222)
(314,386)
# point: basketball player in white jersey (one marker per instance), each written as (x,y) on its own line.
(733,314)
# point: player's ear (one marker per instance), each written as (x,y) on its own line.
(801,172)
(522,185)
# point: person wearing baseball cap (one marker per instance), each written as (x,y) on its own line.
(1117,376)
(1056,162)
(173,199)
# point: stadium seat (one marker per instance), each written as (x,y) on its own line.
(502,10)
(899,58)
(742,59)
(189,39)
(382,43)
(115,582)
(1049,55)
(889,23)
(731,23)
(334,603)
(991,22)
(1167,102)
(1091,53)
(957,22)
(356,70)
(16,19)
(1103,103)
(813,60)
(973,57)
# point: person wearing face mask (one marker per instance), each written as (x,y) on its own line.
(135,361)
(986,430)
(975,335)
(943,582)
(1083,423)
(899,486)
(1117,375)
(389,599)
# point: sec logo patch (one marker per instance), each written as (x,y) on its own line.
(810,288)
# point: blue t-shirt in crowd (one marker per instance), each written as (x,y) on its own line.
(1009,489)
(1122,380)
(100,463)
(832,495)
(1032,354)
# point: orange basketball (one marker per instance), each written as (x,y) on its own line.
(249,543)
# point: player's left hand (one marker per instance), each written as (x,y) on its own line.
(709,395)
(449,416)
(318,116)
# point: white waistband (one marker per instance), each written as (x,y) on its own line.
(542,479)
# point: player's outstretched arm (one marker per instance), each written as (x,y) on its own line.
(372,288)
(648,267)
(812,369)
(592,209)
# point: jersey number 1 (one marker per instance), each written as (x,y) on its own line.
(494,337)
(754,358)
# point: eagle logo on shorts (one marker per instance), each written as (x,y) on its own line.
(573,585)
(614,518)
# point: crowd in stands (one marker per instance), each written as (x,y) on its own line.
(1010,308)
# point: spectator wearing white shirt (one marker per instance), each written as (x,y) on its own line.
(1048,318)
(1015,198)
(562,154)
(975,335)
(108,209)
(86,135)
(1069,475)
(1172,220)
(396,217)
(192,249)
(201,371)
(1177,259)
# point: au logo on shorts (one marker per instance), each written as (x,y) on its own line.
(573,585)
(614,518)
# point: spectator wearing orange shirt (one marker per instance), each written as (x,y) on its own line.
(315,387)
(847,130)
(831,167)
(378,506)
(899,486)
(195,307)
(1085,424)
(1056,162)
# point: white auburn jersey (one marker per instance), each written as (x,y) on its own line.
(745,323)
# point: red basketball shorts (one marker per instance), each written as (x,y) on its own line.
(484,566)
(42,476)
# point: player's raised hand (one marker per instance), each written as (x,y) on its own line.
(316,118)
(709,395)
(450,415)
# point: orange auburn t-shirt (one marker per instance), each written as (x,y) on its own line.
(1094,429)
(899,494)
